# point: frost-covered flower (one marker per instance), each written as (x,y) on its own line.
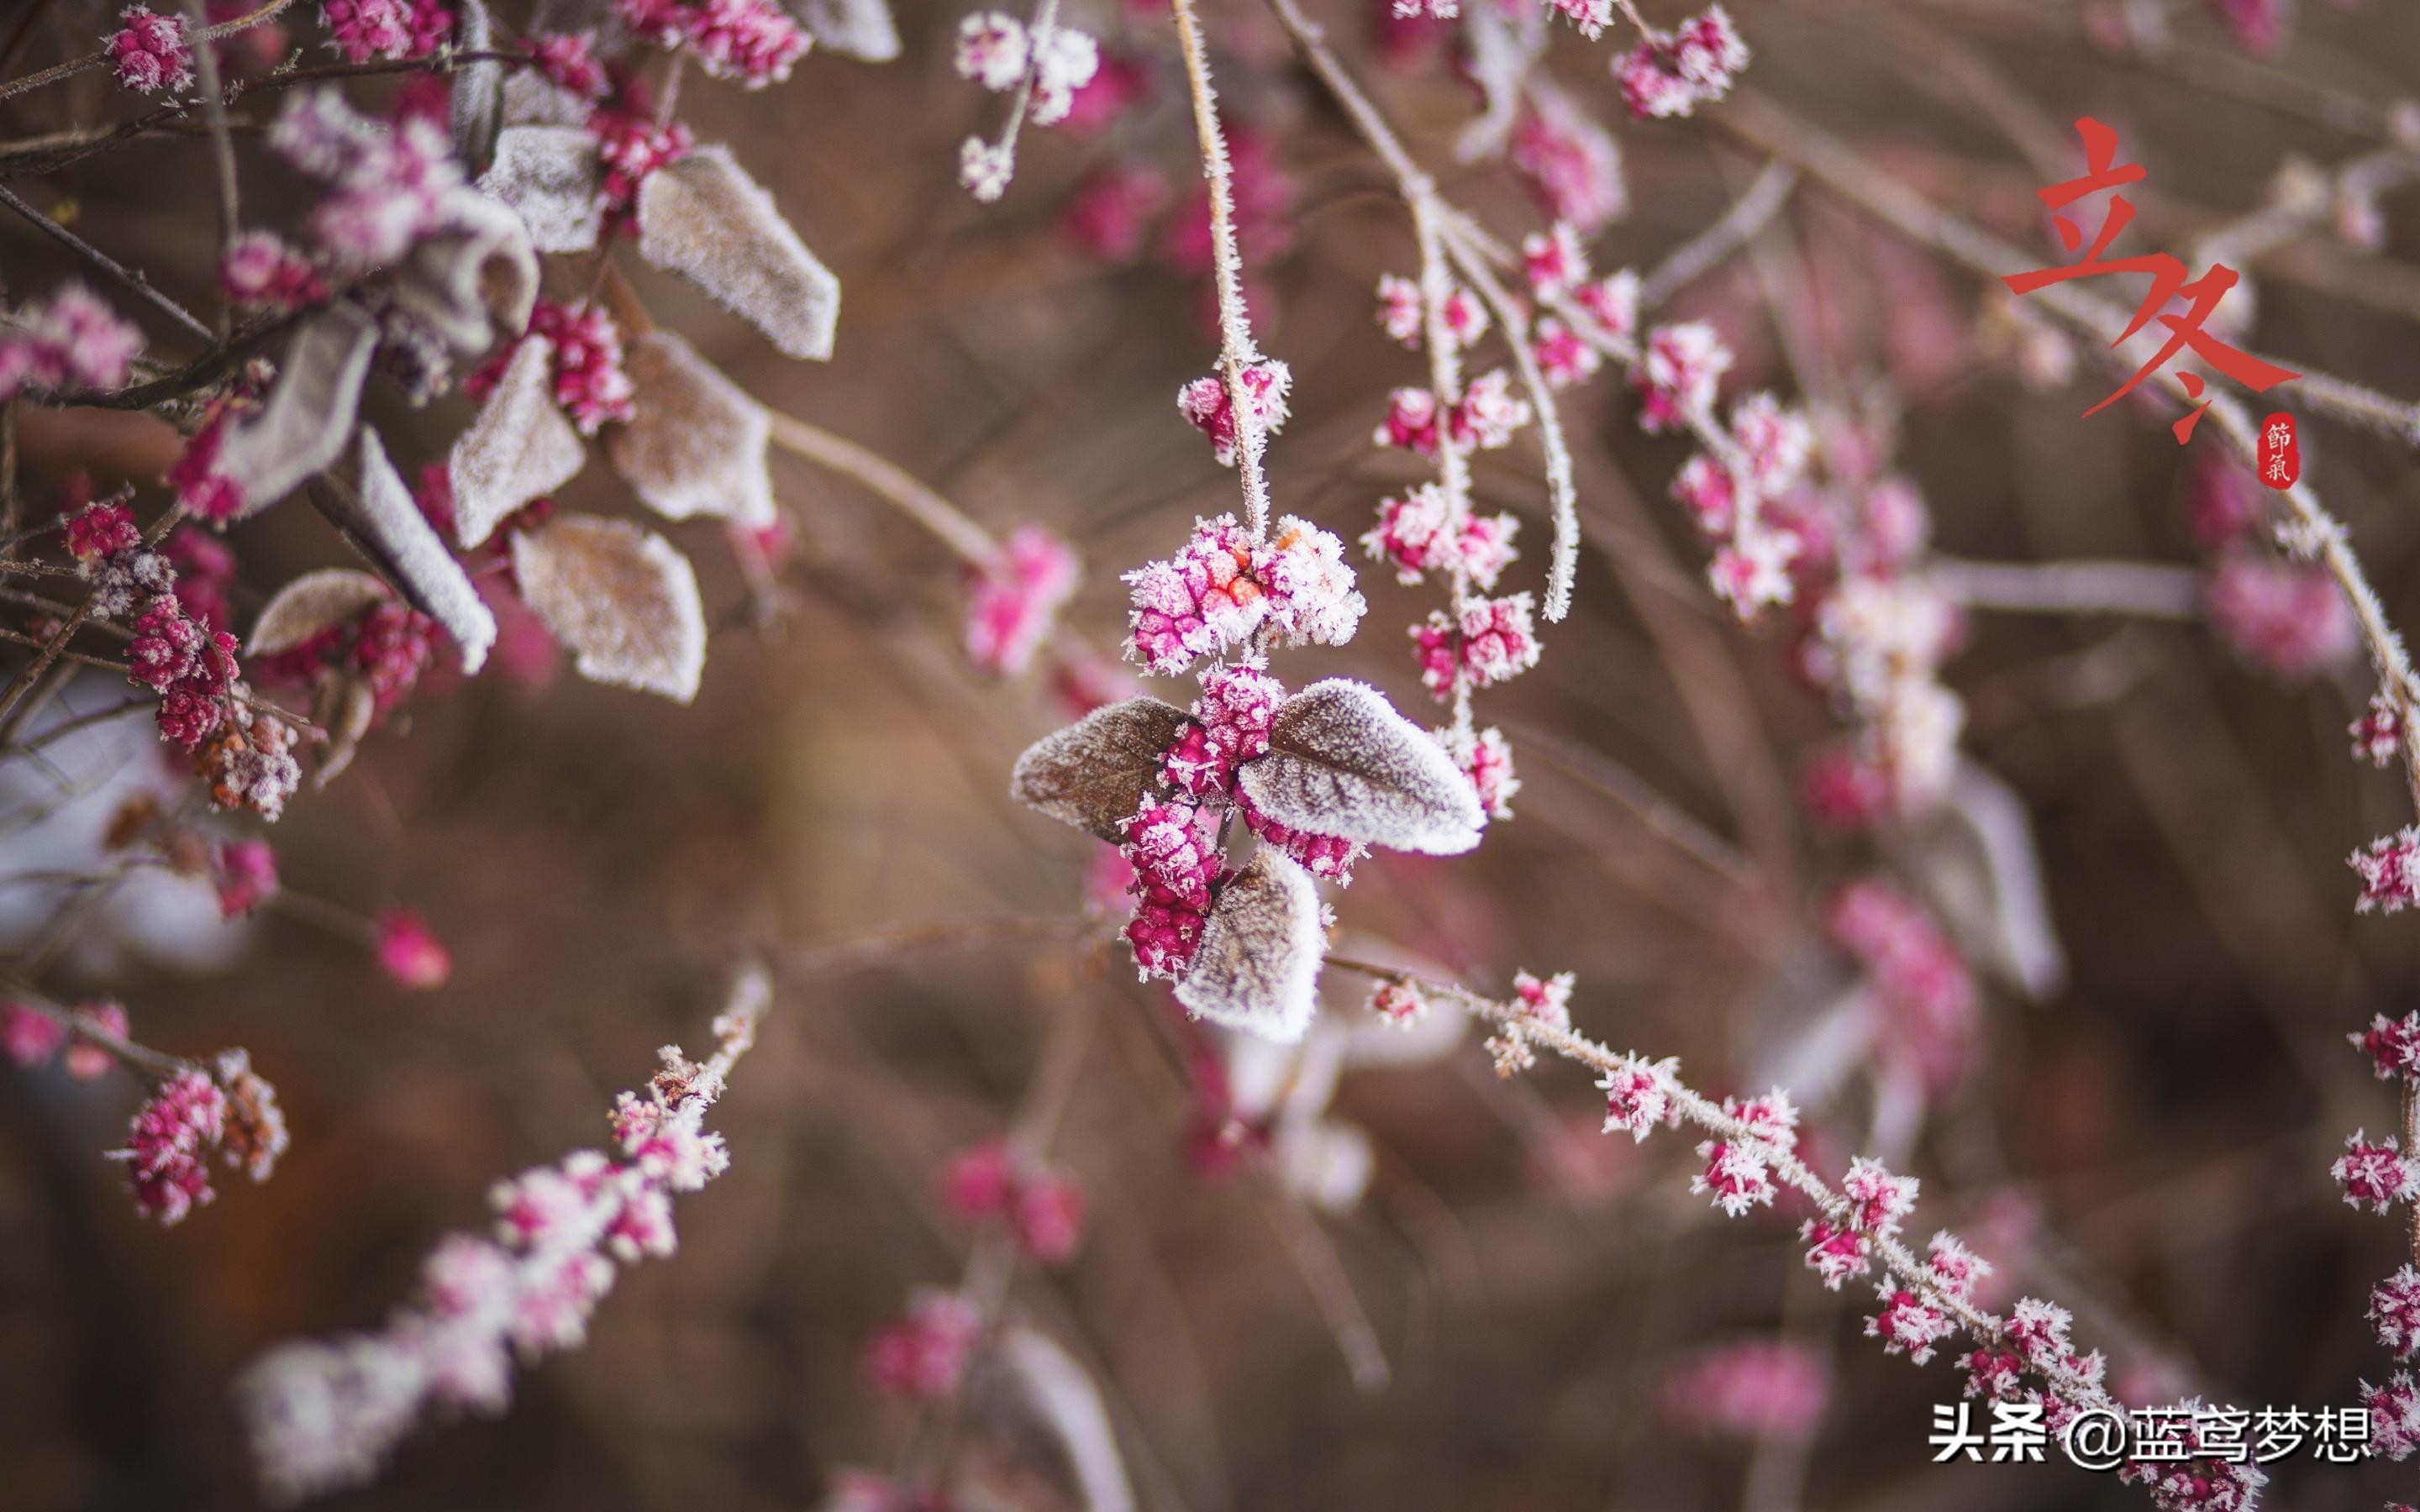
(363,30)
(631,144)
(2390,872)
(1954,1266)
(1774,442)
(1411,422)
(1398,1003)
(1908,1324)
(1065,62)
(1752,569)
(1490,412)
(1206,404)
(1637,1095)
(1487,761)
(1548,1001)
(1835,1253)
(2395,1312)
(1679,373)
(390,185)
(100,530)
(1200,602)
(2285,618)
(1612,302)
(1015,600)
(925,1355)
(2375,1176)
(1564,358)
(1554,261)
(1494,639)
(1412,536)
(149,52)
(991,50)
(1737,1175)
(754,42)
(2393,1046)
(1663,77)
(168,1147)
(1231,726)
(1877,1199)
(260,271)
(2377,735)
(1572,165)
(245,875)
(1330,857)
(2394,1417)
(70,339)
(568,60)
(1175,855)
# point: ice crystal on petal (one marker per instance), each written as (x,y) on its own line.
(167,1149)
(2393,1046)
(1877,1199)
(2376,1176)
(991,50)
(1201,601)
(2377,735)
(1909,1325)
(149,52)
(1554,261)
(1679,374)
(2390,872)
(2395,1312)
(1637,1095)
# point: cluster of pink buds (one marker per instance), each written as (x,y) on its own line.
(2390,872)
(1638,1096)
(1015,601)
(590,382)
(363,30)
(1206,405)
(753,42)
(30,1037)
(1398,1003)
(1571,163)
(193,1114)
(1043,1209)
(69,340)
(925,1355)
(324,1415)
(1224,588)
(1673,75)
(1739,1166)
(262,272)
(1491,641)
(409,952)
(1419,534)
(1401,314)
(386,647)
(2377,735)
(1754,1390)
(245,872)
(1877,1202)
(1487,417)
(390,183)
(1924,985)
(2376,1176)
(1173,850)
(149,52)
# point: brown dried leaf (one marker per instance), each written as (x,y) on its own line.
(314,602)
(620,598)
(303,425)
(696,443)
(1342,762)
(1257,970)
(859,28)
(1091,774)
(548,176)
(704,218)
(519,448)
(374,508)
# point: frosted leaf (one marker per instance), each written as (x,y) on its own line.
(374,508)
(1257,970)
(1040,1435)
(532,99)
(478,87)
(706,220)
(1092,774)
(550,178)
(695,442)
(314,602)
(473,279)
(519,448)
(1342,762)
(620,598)
(303,426)
(861,28)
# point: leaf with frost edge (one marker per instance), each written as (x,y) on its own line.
(312,603)
(704,219)
(550,178)
(1092,772)
(862,29)
(695,442)
(519,448)
(622,599)
(303,426)
(375,510)
(476,277)
(1342,762)
(1257,968)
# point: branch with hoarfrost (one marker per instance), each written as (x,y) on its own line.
(324,1415)
(93,60)
(2154,590)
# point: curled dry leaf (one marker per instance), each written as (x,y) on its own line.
(704,218)
(1092,774)
(620,598)
(314,602)
(478,87)
(373,507)
(472,280)
(548,176)
(696,443)
(1037,1436)
(519,448)
(1342,762)
(1258,966)
(303,424)
(859,28)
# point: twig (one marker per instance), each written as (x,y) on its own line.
(83,1029)
(971,541)
(1738,227)
(141,285)
(2153,590)
(214,112)
(93,60)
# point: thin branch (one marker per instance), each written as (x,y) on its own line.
(2152,590)
(86,249)
(93,60)
(1738,227)
(214,112)
(889,481)
(82,1027)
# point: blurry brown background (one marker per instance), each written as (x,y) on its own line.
(596,860)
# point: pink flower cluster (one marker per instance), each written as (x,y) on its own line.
(1224,588)
(30,1037)
(1673,75)
(1230,726)
(2376,1176)
(390,185)
(1756,1389)
(72,339)
(1487,761)
(1174,851)
(409,952)
(2390,872)
(100,530)
(2377,735)
(1494,639)
(1739,1166)
(590,382)
(995,50)
(386,647)
(149,52)
(754,42)
(1042,1208)
(1638,1096)
(363,30)
(1208,407)
(2394,1417)
(324,1415)
(1926,987)
(1570,162)
(244,871)
(261,271)
(1401,312)
(1487,417)
(2393,1046)
(168,1149)
(2395,1312)
(1015,600)
(632,145)
(1418,533)
(925,1355)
